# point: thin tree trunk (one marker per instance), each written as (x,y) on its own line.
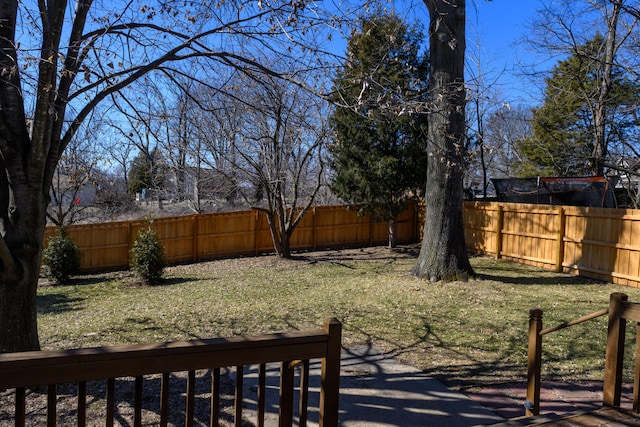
(600,114)
(393,235)
(443,255)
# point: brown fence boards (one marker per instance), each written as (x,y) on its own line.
(220,235)
(600,243)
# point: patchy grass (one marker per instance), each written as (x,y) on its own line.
(467,333)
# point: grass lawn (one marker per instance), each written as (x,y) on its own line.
(467,333)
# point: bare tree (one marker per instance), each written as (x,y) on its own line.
(58,62)
(73,188)
(505,128)
(275,136)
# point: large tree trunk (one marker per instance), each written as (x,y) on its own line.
(443,255)
(22,224)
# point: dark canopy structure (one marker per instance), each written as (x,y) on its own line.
(593,191)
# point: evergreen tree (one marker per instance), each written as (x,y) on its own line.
(379,153)
(146,172)
(564,127)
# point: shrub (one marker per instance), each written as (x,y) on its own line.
(147,256)
(61,258)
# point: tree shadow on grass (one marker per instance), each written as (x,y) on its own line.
(526,280)
(58,303)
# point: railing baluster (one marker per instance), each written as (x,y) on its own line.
(51,405)
(190,403)
(111,401)
(82,404)
(137,403)
(164,399)
(214,419)
(286,395)
(304,392)
(262,389)
(20,407)
(237,402)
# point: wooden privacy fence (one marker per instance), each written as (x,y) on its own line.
(151,398)
(221,235)
(600,243)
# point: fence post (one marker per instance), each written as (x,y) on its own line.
(562,223)
(615,351)
(534,363)
(499,226)
(330,375)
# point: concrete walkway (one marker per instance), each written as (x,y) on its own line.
(376,391)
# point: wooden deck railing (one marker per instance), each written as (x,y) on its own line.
(620,310)
(23,372)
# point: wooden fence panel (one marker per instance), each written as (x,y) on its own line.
(599,243)
(226,234)
(340,227)
(103,246)
(408,225)
(176,235)
(481,222)
(210,236)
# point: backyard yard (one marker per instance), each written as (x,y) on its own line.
(467,333)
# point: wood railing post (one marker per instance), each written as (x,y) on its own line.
(534,363)
(562,223)
(330,375)
(615,351)
(499,226)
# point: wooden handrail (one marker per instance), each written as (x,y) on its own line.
(49,368)
(620,311)
(574,322)
(534,362)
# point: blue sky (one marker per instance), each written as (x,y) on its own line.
(499,25)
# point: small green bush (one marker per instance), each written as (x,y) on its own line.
(61,258)
(146,257)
